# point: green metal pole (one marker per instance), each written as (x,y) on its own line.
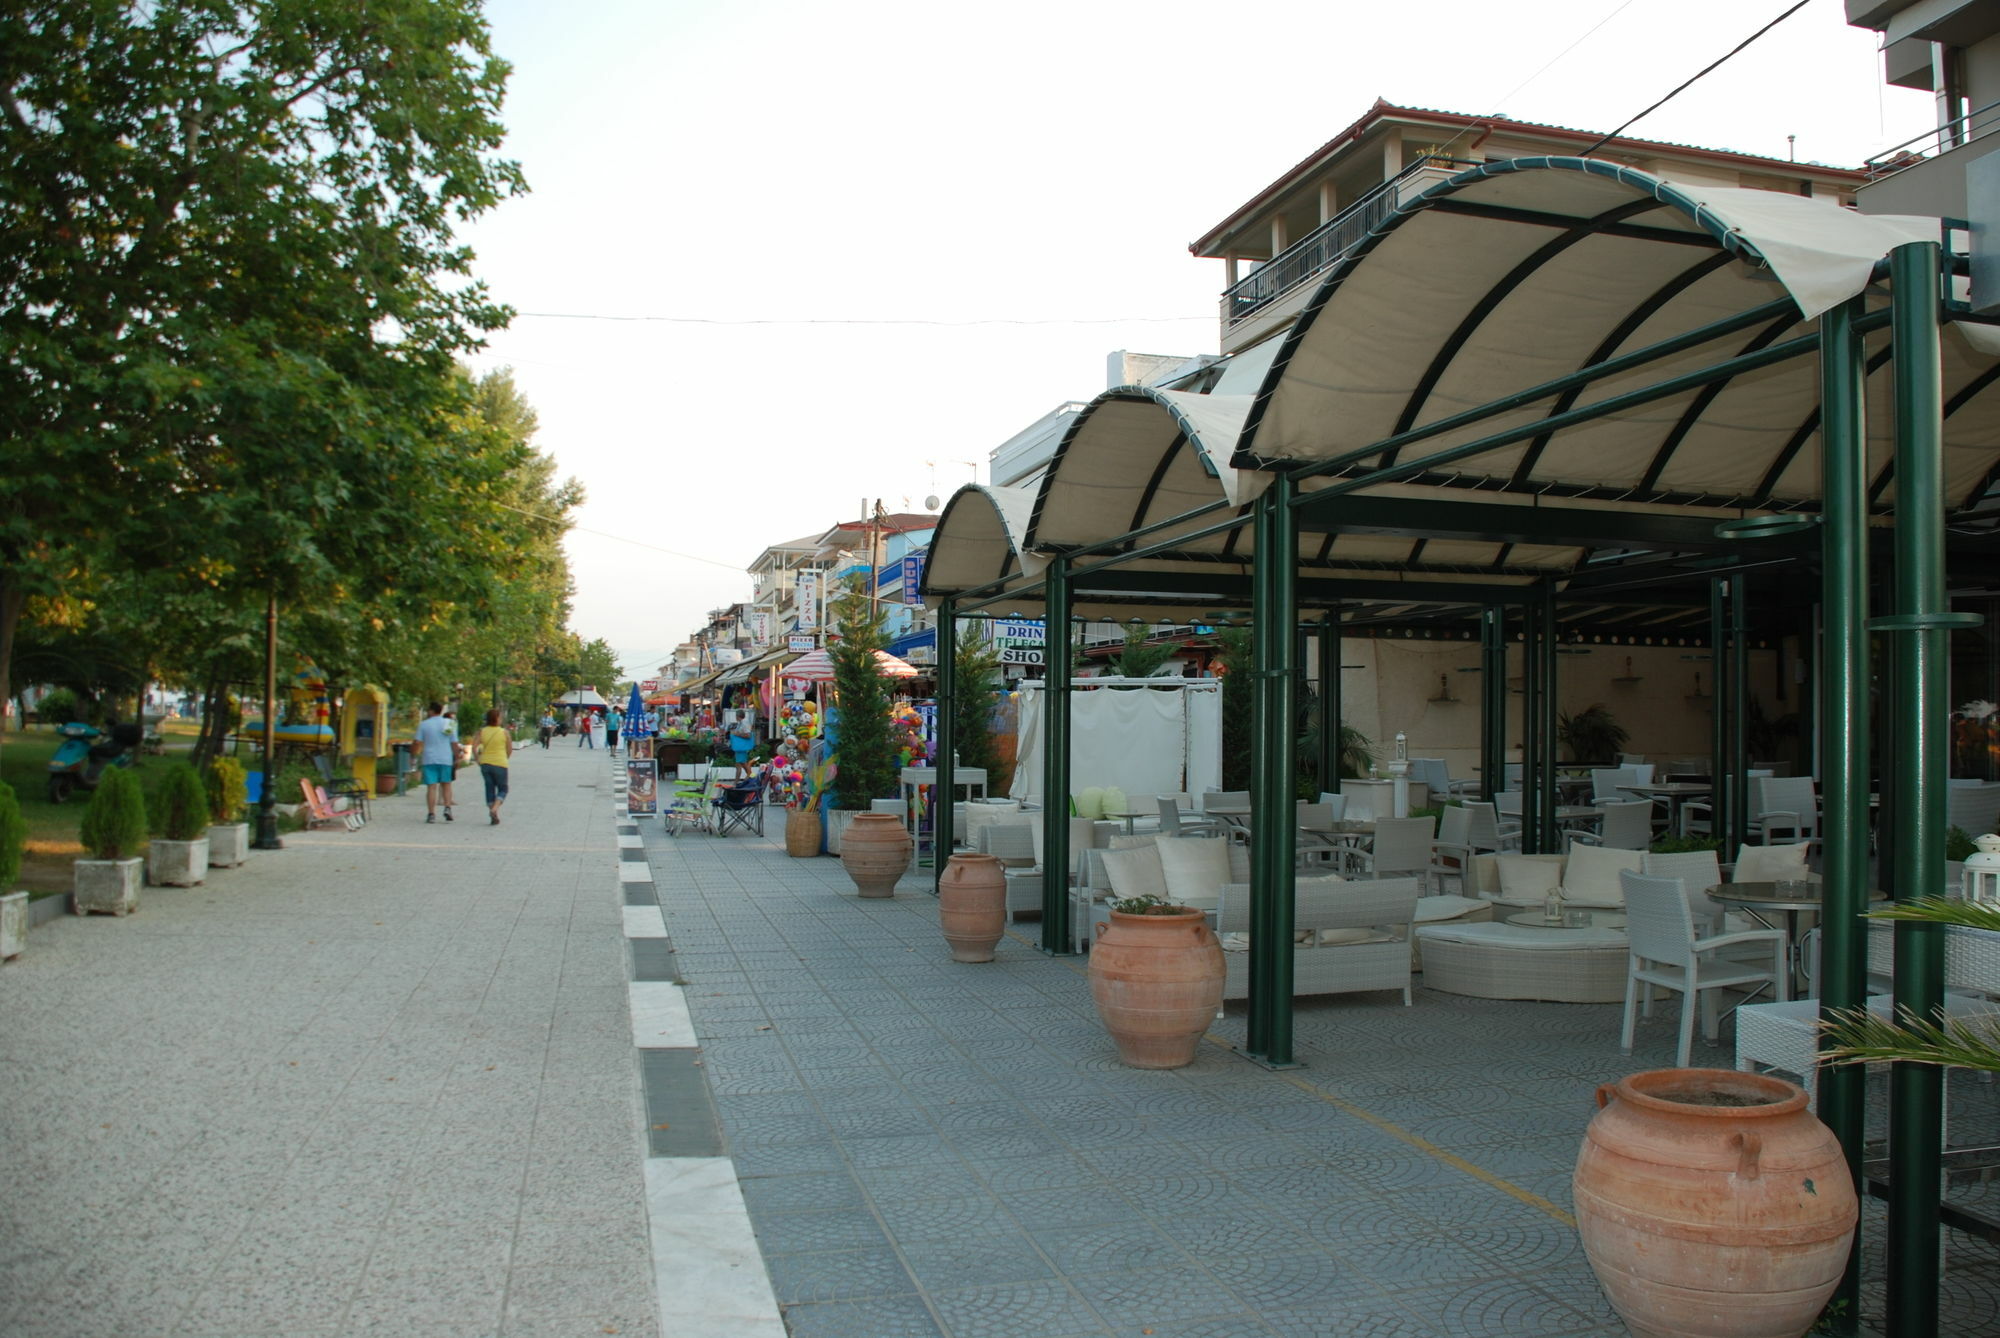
(1916,1091)
(1329,702)
(1265,630)
(1535,759)
(1843,714)
(1275,818)
(1492,700)
(1545,673)
(943,828)
(1722,765)
(1055,763)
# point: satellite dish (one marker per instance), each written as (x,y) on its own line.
(931,502)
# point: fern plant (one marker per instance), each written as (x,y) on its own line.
(114,826)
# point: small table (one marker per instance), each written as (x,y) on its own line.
(1592,919)
(1129,816)
(1675,793)
(1793,899)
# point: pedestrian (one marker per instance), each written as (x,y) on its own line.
(614,721)
(495,748)
(547,730)
(436,752)
(584,721)
(742,738)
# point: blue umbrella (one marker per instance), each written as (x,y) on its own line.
(637,724)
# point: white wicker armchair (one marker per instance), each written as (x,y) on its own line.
(1377,913)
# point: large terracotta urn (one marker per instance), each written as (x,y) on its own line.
(1712,1204)
(875,851)
(972,906)
(803,832)
(1157,981)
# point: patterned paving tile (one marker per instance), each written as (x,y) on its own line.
(831,1229)
(976,1261)
(1127,1245)
(1152,1298)
(876,1317)
(837,1275)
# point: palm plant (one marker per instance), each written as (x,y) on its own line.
(1860,1037)
(1593,735)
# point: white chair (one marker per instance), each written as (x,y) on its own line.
(1401,846)
(1510,775)
(1783,804)
(1507,806)
(1698,815)
(1665,953)
(1627,825)
(1606,783)
(1452,849)
(1175,823)
(1486,832)
(1698,870)
(1973,807)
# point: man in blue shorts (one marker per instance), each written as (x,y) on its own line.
(435,747)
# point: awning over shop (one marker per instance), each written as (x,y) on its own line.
(749,669)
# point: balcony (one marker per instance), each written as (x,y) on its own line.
(1304,261)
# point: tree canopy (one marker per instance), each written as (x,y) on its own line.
(230,308)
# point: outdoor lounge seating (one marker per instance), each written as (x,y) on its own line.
(1349,936)
(1493,960)
(1666,954)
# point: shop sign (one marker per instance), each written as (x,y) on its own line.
(1020,654)
(799,644)
(1021,632)
(649,685)
(760,628)
(808,601)
(920,655)
(913,578)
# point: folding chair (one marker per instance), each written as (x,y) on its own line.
(740,806)
(341,787)
(687,806)
(320,811)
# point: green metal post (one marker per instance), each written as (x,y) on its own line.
(1917,776)
(1329,702)
(1536,760)
(1546,672)
(1492,700)
(1273,814)
(1843,715)
(1265,629)
(1055,762)
(1724,765)
(943,828)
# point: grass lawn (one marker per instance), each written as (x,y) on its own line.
(52,841)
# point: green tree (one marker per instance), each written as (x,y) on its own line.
(231,292)
(1139,658)
(976,666)
(1234,648)
(864,746)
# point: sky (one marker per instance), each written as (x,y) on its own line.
(782,258)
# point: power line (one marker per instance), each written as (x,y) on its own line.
(604,534)
(1697,75)
(711,320)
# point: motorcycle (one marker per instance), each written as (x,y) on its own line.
(80,760)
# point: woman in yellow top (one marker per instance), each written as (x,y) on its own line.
(495,747)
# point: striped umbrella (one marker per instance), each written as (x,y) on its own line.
(817,667)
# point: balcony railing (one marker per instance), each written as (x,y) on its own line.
(1317,251)
(1958,131)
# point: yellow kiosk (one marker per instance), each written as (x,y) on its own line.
(364,732)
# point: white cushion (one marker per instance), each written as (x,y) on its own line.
(1333,938)
(1529,939)
(1771,864)
(1195,870)
(1592,876)
(1136,873)
(1526,879)
(1431,910)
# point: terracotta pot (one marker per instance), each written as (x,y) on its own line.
(972,906)
(1713,1220)
(1157,981)
(803,830)
(875,851)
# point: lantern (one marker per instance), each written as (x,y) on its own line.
(1982,872)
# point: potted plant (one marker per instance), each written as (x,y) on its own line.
(177,856)
(1593,736)
(805,828)
(860,733)
(1156,976)
(385,776)
(1972,928)
(13,905)
(114,832)
(1689,1203)
(228,833)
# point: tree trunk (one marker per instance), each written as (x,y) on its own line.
(13,600)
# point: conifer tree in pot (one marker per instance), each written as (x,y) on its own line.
(177,856)
(228,833)
(864,747)
(13,905)
(114,832)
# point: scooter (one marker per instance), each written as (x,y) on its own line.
(80,761)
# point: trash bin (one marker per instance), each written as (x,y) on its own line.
(402,752)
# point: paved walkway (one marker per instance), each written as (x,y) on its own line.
(444,1080)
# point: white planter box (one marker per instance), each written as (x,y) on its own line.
(228,844)
(177,863)
(13,924)
(836,827)
(108,885)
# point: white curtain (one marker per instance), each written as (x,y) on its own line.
(1141,740)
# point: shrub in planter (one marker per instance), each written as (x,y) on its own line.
(13,905)
(114,832)
(228,793)
(178,854)
(58,708)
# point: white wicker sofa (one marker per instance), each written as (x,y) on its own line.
(1496,960)
(1349,935)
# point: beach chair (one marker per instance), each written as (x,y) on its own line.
(740,807)
(320,811)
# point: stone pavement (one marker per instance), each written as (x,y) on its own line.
(379,1082)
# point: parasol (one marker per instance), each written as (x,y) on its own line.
(582,697)
(817,667)
(638,725)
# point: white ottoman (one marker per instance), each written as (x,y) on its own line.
(1503,961)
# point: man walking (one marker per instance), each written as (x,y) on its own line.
(435,753)
(614,721)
